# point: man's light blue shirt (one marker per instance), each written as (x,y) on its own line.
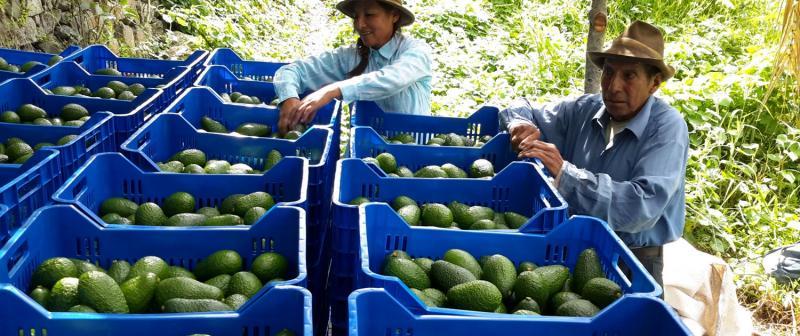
(397,77)
(636,185)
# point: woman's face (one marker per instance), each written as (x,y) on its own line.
(374,24)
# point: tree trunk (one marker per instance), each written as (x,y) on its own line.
(597,33)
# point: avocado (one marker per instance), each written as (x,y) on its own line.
(149,264)
(409,272)
(586,268)
(578,307)
(269,266)
(179,203)
(139,291)
(500,271)
(601,292)
(52,270)
(101,292)
(244,283)
(220,262)
(478,295)
(185,288)
(213,126)
(464,259)
(435,214)
(179,305)
(446,275)
(64,295)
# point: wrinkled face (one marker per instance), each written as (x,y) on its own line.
(374,23)
(626,87)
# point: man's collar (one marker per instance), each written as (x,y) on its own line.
(637,124)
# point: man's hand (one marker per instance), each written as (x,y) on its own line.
(315,101)
(547,153)
(522,131)
(288,112)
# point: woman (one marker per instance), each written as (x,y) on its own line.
(383,66)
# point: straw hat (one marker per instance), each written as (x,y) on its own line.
(641,42)
(406,17)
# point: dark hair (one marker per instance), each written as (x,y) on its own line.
(363,50)
(651,70)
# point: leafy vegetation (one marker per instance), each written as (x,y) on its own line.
(743,179)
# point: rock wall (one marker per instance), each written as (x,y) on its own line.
(50,25)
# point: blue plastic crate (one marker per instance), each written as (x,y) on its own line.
(222,80)
(173,82)
(110,175)
(63,231)
(365,142)
(482,122)
(520,187)
(383,231)
(374,311)
(128,115)
(96,57)
(20,57)
(95,136)
(25,188)
(244,69)
(199,102)
(168,133)
(281,307)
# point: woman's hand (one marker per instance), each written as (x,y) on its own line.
(313,102)
(288,113)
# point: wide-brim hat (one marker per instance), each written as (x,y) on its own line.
(640,42)
(406,17)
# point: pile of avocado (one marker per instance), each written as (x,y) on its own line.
(73,115)
(180,209)
(251,129)
(150,285)
(450,139)
(240,98)
(17,151)
(494,284)
(5,66)
(112,90)
(452,216)
(193,161)
(480,168)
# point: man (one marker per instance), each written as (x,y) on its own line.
(621,155)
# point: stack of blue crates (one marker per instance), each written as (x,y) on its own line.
(49,204)
(365,234)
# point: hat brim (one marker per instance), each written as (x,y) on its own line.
(599,59)
(406,17)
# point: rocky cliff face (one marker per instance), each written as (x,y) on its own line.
(51,25)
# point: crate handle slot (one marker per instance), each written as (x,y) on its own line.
(44,80)
(620,265)
(17,258)
(144,141)
(90,141)
(29,185)
(79,188)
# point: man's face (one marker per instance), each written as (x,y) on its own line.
(626,87)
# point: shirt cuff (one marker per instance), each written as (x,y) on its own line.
(564,165)
(285,92)
(349,91)
(515,122)
(567,177)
